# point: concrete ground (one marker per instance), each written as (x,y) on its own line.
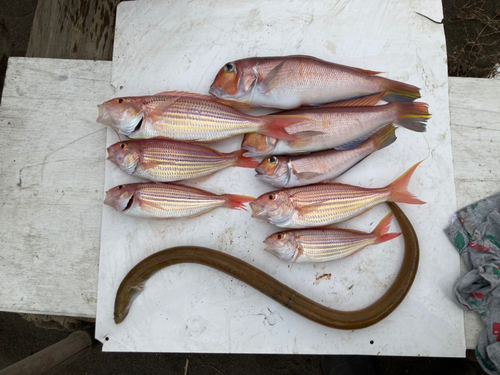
(20,338)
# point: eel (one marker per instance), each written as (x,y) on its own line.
(134,282)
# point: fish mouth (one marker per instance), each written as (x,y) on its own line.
(217,92)
(260,172)
(104,117)
(111,201)
(258,211)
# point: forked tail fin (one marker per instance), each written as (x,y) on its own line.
(399,189)
(275,126)
(396,91)
(413,116)
(237,202)
(382,229)
(244,162)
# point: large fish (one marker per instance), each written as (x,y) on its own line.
(339,128)
(291,171)
(325,204)
(325,244)
(167,160)
(167,201)
(292,81)
(187,117)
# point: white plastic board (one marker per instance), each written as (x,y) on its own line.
(176,45)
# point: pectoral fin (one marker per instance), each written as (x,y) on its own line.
(272,79)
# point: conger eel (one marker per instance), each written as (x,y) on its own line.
(133,284)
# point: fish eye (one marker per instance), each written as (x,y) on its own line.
(229,68)
(122,145)
(271,197)
(120,187)
(273,159)
(120,315)
(120,100)
(279,236)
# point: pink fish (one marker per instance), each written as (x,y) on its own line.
(325,244)
(325,204)
(167,160)
(168,201)
(292,81)
(187,117)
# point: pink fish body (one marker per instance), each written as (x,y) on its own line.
(167,160)
(325,204)
(292,171)
(325,244)
(186,117)
(168,201)
(339,128)
(292,81)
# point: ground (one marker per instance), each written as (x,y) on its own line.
(472,30)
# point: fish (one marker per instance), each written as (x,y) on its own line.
(292,171)
(325,244)
(136,280)
(328,203)
(169,201)
(289,82)
(339,128)
(186,117)
(166,160)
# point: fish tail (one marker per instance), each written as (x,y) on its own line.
(399,188)
(237,202)
(413,116)
(275,125)
(382,230)
(242,161)
(384,137)
(396,91)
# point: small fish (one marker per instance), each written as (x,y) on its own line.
(339,128)
(292,81)
(325,244)
(167,201)
(286,171)
(187,117)
(166,160)
(324,204)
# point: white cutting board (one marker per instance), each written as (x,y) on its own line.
(177,45)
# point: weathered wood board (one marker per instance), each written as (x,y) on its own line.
(475,131)
(29,284)
(51,183)
(73,29)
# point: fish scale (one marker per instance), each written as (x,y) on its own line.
(337,205)
(172,201)
(209,120)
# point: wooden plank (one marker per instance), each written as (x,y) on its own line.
(51,185)
(75,29)
(474,117)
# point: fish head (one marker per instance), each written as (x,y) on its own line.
(258,144)
(122,114)
(121,197)
(122,304)
(274,205)
(282,245)
(235,81)
(125,155)
(274,170)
